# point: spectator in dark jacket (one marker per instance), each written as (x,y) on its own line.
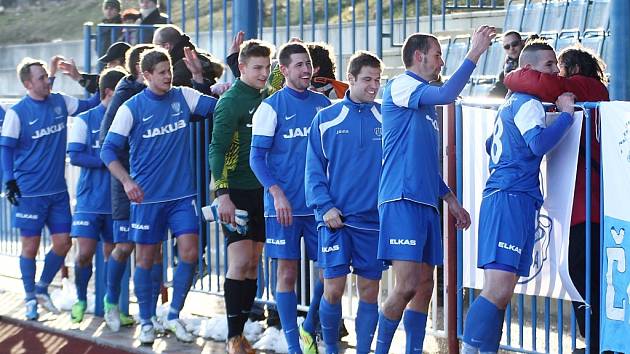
(150,15)
(513,45)
(111,15)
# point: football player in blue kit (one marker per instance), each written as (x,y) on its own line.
(160,185)
(92,219)
(411,184)
(342,190)
(512,198)
(33,145)
(280,131)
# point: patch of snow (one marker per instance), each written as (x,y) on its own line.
(65,297)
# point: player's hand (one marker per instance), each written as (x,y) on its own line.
(133,191)
(284,213)
(236,42)
(219,88)
(462,218)
(481,40)
(333,218)
(565,102)
(227,210)
(13,192)
(69,67)
(54,64)
(191,59)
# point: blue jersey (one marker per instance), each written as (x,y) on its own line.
(343,162)
(282,124)
(513,165)
(157,128)
(37,132)
(93,187)
(411,166)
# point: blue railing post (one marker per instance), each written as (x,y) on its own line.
(245,17)
(460,235)
(87,48)
(619,28)
(379,28)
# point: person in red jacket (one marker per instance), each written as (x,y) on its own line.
(582,73)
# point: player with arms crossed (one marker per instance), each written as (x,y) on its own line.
(512,199)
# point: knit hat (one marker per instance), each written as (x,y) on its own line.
(112,3)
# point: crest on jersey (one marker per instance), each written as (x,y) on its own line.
(541,247)
(378,131)
(176,108)
(57,110)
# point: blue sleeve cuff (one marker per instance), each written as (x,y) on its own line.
(544,139)
(257,157)
(113,142)
(7,163)
(261,141)
(75,147)
(205,106)
(444,190)
(83,159)
(8,141)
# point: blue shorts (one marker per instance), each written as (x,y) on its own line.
(50,210)
(91,225)
(284,242)
(411,232)
(348,246)
(121,231)
(149,222)
(507,231)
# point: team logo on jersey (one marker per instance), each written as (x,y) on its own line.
(378,131)
(176,108)
(402,242)
(540,254)
(297,133)
(273,241)
(166,129)
(328,249)
(49,130)
(58,110)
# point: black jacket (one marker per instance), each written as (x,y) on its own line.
(212,68)
(154,18)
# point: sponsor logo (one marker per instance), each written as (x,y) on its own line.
(273,241)
(147,118)
(297,132)
(94,131)
(33,121)
(166,129)
(289,117)
(49,130)
(402,242)
(59,117)
(249,125)
(81,223)
(329,249)
(123,229)
(251,111)
(139,227)
(27,216)
(509,247)
(343,131)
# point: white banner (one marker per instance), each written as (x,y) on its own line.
(615,286)
(549,274)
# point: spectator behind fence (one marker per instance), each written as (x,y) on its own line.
(513,45)
(582,73)
(149,15)
(111,15)
(130,17)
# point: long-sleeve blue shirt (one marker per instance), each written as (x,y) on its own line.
(343,161)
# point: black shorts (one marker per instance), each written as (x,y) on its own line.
(250,200)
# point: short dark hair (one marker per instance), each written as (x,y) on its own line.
(535,43)
(109,79)
(132,57)
(152,57)
(288,49)
(322,57)
(24,68)
(363,58)
(169,34)
(588,63)
(416,41)
(513,33)
(254,48)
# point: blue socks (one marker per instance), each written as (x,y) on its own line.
(142,286)
(52,263)
(313,310)
(182,280)
(329,316)
(483,325)
(82,277)
(365,325)
(415,327)
(27,268)
(386,330)
(286,302)
(115,271)
(156,286)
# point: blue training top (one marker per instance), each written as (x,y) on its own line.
(343,162)
(157,127)
(93,186)
(280,127)
(519,140)
(35,133)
